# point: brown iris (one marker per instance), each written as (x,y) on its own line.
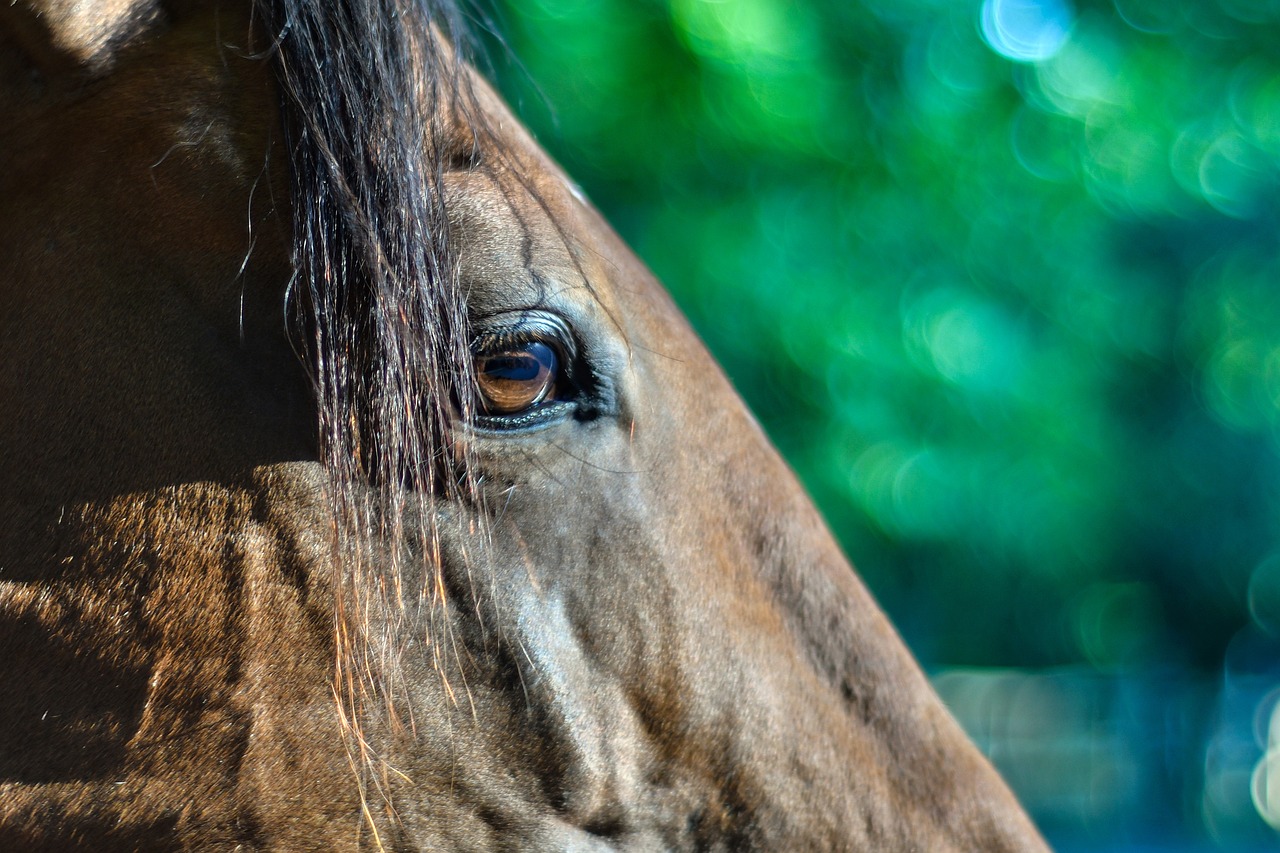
(513,379)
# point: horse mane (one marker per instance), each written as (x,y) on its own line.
(377,106)
(372,96)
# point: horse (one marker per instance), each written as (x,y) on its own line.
(363,491)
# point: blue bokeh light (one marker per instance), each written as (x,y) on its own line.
(1026,30)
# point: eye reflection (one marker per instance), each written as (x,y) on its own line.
(513,379)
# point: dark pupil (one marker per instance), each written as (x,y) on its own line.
(516,379)
(514,367)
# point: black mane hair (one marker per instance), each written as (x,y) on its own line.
(373,99)
(377,107)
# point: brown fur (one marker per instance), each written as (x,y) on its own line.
(634,632)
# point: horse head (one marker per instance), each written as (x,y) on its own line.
(364,489)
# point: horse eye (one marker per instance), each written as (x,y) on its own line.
(513,379)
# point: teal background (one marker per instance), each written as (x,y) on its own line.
(1000,279)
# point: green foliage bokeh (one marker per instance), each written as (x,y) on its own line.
(1014,323)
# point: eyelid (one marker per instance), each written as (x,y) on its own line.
(507,330)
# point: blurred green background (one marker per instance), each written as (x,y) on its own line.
(1002,281)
